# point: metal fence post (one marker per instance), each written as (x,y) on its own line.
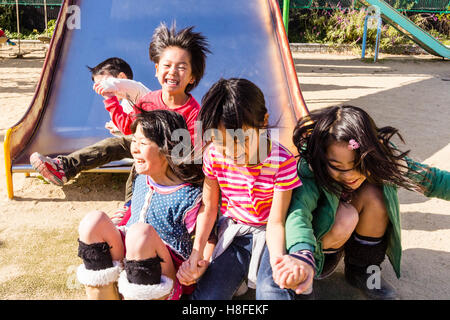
(18,24)
(286,5)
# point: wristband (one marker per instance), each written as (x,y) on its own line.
(305,256)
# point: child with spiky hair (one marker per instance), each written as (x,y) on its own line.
(180,61)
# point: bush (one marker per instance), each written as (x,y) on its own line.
(8,17)
(438,25)
(51,25)
(346,26)
(32,21)
(34,34)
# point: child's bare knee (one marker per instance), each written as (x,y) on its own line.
(372,199)
(140,230)
(92,221)
(345,222)
(347,218)
(140,236)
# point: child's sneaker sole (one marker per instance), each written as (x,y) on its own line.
(45,166)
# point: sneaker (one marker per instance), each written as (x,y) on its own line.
(330,264)
(51,169)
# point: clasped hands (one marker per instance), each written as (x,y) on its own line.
(291,273)
(192,269)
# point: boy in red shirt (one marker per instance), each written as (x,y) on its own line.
(180,64)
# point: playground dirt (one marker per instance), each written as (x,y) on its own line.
(38,228)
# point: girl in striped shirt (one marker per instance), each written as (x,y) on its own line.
(250,178)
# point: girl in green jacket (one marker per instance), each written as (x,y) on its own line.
(348,201)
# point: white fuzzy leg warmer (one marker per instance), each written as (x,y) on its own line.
(96,278)
(132,291)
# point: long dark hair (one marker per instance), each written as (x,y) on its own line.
(234,103)
(376,158)
(193,42)
(159,126)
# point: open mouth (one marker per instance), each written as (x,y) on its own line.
(350,183)
(139,161)
(172,82)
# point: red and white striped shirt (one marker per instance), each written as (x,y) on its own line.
(247,191)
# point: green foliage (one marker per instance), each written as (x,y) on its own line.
(8,23)
(34,34)
(8,17)
(346,26)
(438,25)
(51,25)
(404,4)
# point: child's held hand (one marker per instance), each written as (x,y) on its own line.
(286,273)
(292,273)
(192,269)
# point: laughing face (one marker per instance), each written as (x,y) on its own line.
(174,71)
(147,157)
(245,150)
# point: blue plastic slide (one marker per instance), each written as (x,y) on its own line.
(247,39)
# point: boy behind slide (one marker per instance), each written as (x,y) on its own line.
(115,75)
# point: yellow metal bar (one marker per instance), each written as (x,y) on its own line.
(8,169)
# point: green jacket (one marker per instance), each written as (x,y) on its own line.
(312,212)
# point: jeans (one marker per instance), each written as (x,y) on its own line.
(266,288)
(225,273)
(98,154)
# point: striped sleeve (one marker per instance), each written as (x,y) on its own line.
(305,256)
(287,178)
(190,218)
(208,160)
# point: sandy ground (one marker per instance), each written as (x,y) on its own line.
(410,93)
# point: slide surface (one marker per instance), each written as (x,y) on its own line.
(417,34)
(247,39)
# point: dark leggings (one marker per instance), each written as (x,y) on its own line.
(97,155)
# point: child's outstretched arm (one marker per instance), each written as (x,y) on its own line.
(193,268)
(288,271)
(122,88)
(436,182)
(112,89)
